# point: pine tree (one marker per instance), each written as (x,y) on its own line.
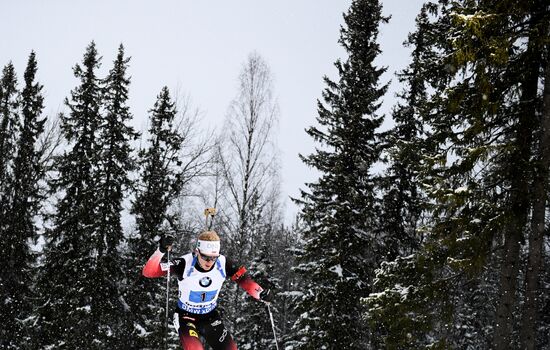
(113,179)
(19,220)
(340,211)
(159,185)
(67,283)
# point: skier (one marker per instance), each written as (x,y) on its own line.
(201,275)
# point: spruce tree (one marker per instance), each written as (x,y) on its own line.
(402,203)
(113,180)
(8,127)
(19,220)
(159,185)
(293,287)
(67,283)
(476,169)
(284,282)
(340,210)
(9,121)
(269,268)
(252,327)
(530,318)
(404,198)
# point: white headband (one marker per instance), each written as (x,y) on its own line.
(209,247)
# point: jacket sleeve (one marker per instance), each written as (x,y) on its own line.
(153,267)
(244,281)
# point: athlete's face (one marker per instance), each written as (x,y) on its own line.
(206,261)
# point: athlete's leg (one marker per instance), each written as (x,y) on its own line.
(188,333)
(217,336)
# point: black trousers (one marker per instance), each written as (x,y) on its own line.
(210,326)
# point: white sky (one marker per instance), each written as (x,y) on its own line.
(196,48)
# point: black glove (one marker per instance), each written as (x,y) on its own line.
(165,243)
(265,295)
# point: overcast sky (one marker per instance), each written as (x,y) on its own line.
(197,48)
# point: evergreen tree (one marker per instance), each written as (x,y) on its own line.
(19,220)
(519,174)
(284,283)
(8,126)
(477,172)
(541,171)
(159,185)
(544,310)
(269,267)
(69,310)
(252,327)
(113,179)
(341,210)
(402,199)
(293,286)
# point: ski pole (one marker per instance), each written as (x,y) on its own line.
(272,324)
(167,298)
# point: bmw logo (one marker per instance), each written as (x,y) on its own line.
(205,282)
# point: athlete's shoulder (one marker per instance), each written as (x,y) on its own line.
(187,256)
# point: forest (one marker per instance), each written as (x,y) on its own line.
(431,233)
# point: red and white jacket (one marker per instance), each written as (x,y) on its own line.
(199,289)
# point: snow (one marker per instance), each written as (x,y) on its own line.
(292,294)
(462,189)
(141,331)
(404,291)
(397,289)
(377,295)
(452,261)
(337,269)
(124,304)
(86,308)
(468,18)
(464,17)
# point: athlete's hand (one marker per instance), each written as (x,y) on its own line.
(265,295)
(165,243)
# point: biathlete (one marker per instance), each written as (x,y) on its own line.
(201,275)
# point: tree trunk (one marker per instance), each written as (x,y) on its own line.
(536,236)
(519,175)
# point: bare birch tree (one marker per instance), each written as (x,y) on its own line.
(248,157)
